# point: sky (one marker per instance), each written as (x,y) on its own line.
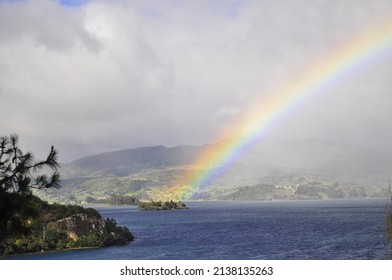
(97,76)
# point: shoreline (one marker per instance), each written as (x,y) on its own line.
(239,201)
(152,244)
(50,251)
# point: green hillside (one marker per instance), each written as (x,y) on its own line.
(308,169)
(128,162)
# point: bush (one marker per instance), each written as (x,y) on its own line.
(116,235)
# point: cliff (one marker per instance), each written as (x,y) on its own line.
(61,227)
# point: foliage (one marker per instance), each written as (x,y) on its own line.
(116,235)
(29,224)
(114,199)
(159,205)
(83,227)
(19,174)
(60,211)
(16,168)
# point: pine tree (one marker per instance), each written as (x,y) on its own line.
(19,175)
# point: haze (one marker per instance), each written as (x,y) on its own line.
(96,76)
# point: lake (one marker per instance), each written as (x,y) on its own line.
(275,230)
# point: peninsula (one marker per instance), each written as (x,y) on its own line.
(55,227)
(28,224)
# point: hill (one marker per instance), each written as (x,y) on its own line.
(127,162)
(53,227)
(302,169)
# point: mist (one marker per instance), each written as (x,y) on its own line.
(96,76)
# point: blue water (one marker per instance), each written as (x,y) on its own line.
(337,229)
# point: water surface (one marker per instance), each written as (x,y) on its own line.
(332,229)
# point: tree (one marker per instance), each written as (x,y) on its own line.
(16,168)
(19,175)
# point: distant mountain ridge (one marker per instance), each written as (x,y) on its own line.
(147,172)
(125,162)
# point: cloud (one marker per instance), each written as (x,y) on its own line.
(62,29)
(106,75)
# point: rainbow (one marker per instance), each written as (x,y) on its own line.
(253,126)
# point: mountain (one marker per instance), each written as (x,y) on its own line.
(302,169)
(127,162)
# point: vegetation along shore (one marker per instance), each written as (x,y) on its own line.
(29,224)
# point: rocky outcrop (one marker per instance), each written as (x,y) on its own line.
(83,230)
(59,227)
(79,226)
